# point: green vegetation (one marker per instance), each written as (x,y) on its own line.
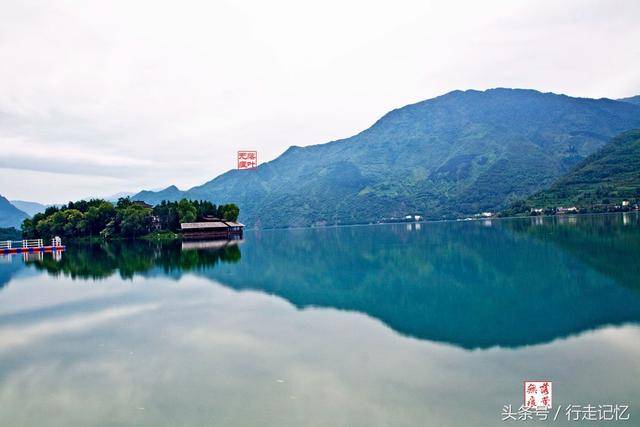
(10,233)
(125,219)
(608,180)
(454,155)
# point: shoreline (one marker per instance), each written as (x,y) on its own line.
(433,221)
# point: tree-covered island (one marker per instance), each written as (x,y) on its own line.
(124,219)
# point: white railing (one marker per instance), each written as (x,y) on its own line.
(32,243)
(29,243)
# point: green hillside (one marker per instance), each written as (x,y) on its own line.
(607,177)
(10,216)
(457,154)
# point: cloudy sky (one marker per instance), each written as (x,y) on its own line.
(102,97)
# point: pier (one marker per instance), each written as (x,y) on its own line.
(30,246)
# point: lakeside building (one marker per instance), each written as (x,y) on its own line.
(406,218)
(212,228)
(413,217)
(484,215)
(563,210)
(155,219)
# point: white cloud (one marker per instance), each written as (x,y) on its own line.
(158,93)
(11,337)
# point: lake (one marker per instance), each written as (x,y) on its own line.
(431,324)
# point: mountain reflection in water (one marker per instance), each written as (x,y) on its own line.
(473,284)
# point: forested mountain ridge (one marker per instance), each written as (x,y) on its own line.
(607,177)
(457,154)
(10,216)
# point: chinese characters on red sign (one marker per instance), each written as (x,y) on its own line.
(247,159)
(537,394)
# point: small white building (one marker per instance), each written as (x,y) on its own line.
(563,210)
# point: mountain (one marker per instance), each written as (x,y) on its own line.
(10,233)
(10,216)
(154,197)
(457,154)
(110,198)
(608,176)
(632,100)
(30,208)
(115,197)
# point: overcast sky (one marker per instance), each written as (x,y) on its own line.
(102,97)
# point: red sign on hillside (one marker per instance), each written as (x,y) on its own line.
(247,159)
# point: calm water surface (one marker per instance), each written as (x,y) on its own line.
(394,325)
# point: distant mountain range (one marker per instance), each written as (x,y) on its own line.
(171,193)
(10,216)
(457,154)
(13,212)
(608,176)
(115,197)
(30,208)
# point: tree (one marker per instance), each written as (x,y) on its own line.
(42,229)
(204,208)
(72,219)
(28,228)
(123,203)
(135,221)
(48,212)
(186,211)
(98,216)
(229,212)
(167,213)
